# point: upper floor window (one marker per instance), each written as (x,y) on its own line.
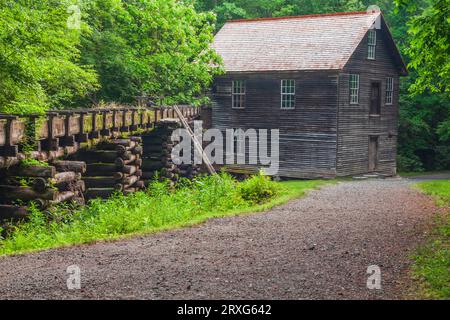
(354,88)
(389,91)
(287,94)
(238,94)
(372,44)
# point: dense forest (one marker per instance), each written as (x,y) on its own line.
(67,53)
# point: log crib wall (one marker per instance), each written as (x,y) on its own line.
(84,154)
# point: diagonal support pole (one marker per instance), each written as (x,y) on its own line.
(197,145)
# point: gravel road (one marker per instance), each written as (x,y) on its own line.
(317,247)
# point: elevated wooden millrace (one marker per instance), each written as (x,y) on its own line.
(86,154)
(60,133)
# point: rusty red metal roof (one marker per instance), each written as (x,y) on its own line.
(312,42)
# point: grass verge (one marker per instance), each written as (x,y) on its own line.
(432,262)
(419,174)
(158,208)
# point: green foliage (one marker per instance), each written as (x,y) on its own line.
(157,48)
(429,46)
(258,189)
(423,34)
(120,50)
(424,143)
(239,9)
(433,260)
(39,57)
(33,162)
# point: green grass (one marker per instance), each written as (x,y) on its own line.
(432,262)
(419,174)
(156,209)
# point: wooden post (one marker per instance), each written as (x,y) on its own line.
(105,132)
(9,149)
(134,125)
(124,127)
(82,136)
(51,143)
(94,134)
(115,125)
(68,140)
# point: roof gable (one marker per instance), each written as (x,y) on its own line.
(313,42)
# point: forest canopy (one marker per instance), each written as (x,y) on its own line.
(55,54)
(77,53)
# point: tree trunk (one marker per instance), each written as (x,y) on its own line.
(75,166)
(12,193)
(66,177)
(31,171)
(64,196)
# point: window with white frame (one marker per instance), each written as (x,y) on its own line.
(354,88)
(372,44)
(238,94)
(287,94)
(389,91)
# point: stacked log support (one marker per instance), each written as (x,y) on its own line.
(157,158)
(45,186)
(73,173)
(113,166)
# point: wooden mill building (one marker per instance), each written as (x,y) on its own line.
(329,83)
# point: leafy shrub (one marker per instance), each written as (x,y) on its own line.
(258,189)
(409,163)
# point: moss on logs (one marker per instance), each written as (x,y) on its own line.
(13,193)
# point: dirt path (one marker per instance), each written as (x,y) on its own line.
(318,247)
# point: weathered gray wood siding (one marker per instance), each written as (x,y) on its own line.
(355,124)
(308,134)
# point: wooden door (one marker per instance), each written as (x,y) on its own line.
(375,98)
(373,154)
